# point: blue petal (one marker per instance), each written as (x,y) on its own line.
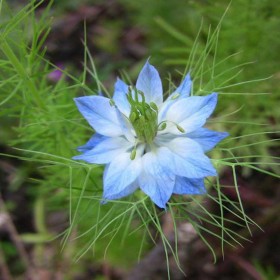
(121,90)
(125,192)
(190,186)
(191,113)
(184,88)
(185,157)
(149,83)
(100,114)
(106,151)
(121,172)
(206,138)
(126,126)
(92,142)
(156,181)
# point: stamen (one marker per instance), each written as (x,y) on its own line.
(181,129)
(133,154)
(176,95)
(162,126)
(133,116)
(154,106)
(149,115)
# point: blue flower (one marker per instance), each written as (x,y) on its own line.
(149,144)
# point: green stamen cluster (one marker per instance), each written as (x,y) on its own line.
(143,116)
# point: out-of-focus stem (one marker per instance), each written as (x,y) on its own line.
(4,270)
(10,227)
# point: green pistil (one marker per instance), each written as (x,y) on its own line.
(143,116)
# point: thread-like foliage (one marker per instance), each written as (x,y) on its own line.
(40,122)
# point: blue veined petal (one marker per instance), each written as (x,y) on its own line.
(207,138)
(149,83)
(126,126)
(190,113)
(99,113)
(155,180)
(125,192)
(189,186)
(121,172)
(121,90)
(185,157)
(106,150)
(184,89)
(92,142)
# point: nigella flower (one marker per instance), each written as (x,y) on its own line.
(147,143)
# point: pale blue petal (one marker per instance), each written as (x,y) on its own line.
(190,113)
(163,109)
(165,138)
(125,192)
(121,172)
(184,89)
(156,181)
(92,142)
(206,138)
(106,151)
(149,83)
(189,186)
(185,157)
(120,97)
(126,126)
(99,113)
(154,188)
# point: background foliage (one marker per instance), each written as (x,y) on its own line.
(229,49)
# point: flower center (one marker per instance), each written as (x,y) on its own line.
(143,116)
